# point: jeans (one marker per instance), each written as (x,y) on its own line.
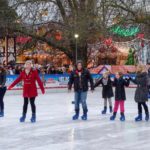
(25,106)
(2,93)
(80,97)
(117,103)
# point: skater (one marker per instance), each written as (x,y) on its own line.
(80,78)
(29,77)
(2,89)
(148,83)
(120,95)
(107,91)
(141,93)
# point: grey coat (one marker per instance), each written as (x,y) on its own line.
(141,93)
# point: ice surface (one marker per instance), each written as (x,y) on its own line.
(55,130)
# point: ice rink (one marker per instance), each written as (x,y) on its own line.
(55,129)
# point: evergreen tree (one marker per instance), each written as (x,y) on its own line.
(130,59)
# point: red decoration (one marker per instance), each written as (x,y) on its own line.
(23,40)
(58,36)
(108,41)
(142,43)
(140,36)
(113,49)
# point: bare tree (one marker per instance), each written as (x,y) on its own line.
(90,19)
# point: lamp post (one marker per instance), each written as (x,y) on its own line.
(76,37)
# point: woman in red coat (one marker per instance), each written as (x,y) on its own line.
(29,77)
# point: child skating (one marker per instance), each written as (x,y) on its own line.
(120,95)
(107,91)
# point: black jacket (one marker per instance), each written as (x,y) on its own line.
(80,83)
(107,91)
(2,79)
(120,88)
(141,93)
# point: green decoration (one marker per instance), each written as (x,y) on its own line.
(130,59)
(132,31)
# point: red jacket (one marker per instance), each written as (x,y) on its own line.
(29,83)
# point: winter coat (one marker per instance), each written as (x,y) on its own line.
(107,91)
(29,83)
(80,82)
(2,79)
(120,88)
(141,93)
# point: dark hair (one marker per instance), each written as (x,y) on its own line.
(120,73)
(2,69)
(79,62)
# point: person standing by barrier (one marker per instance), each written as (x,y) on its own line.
(2,90)
(141,93)
(107,91)
(120,95)
(29,76)
(80,78)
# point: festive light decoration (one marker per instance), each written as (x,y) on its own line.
(58,36)
(23,40)
(132,31)
(108,41)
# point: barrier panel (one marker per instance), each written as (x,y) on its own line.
(57,80)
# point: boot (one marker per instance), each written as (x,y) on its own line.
(138,118)
(147,117)
(122,118)
(73,102)
(2,114)
(76,116)
(110,108)
(105,110)
(84,117)
(33,118)
(22,119)
(113,116)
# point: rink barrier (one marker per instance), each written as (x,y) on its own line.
(59,80)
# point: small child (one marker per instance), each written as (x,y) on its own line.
(107,91)
(120,95)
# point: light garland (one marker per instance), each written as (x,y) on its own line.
(132,31)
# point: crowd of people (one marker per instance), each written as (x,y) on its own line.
(48,69)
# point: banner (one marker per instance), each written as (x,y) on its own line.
(54,81)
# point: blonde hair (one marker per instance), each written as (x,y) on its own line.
(119,73)
(28,62)
(140,68)
(106,73)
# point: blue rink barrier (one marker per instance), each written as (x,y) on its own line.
(55,81)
